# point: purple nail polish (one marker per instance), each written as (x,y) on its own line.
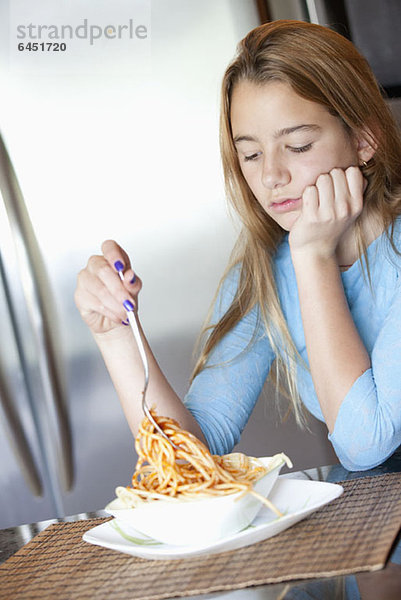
(118,265)
(133,279)
(128,305)
(125,322)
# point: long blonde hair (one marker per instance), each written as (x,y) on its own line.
(324,67)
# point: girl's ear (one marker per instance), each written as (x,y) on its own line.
(366,145)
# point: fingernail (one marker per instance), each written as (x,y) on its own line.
(128,305)
(133,279)
(119,266)
(125,322)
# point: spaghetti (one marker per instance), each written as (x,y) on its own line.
(189,472)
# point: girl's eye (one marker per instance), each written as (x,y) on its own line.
(251,156)
(300,148)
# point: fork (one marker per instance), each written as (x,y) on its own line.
(132,319)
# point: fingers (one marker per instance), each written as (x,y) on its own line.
(329,208)
(327,195)
(336,195)
(119,261)
(310,202)
(356,185)
(318,199)
(114,253)
(101,291)
(91,305)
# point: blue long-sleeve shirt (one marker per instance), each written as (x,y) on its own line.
(368,426)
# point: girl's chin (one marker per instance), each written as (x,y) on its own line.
(288,221)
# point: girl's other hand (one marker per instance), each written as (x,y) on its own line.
(329,208)
(100,292)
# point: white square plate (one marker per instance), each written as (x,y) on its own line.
(295,498)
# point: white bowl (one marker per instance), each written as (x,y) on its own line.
(193,522)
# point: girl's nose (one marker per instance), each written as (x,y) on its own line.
(275,173)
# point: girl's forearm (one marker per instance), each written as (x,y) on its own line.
(122,359)
(336,353)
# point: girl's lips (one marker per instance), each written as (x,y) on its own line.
(286,205)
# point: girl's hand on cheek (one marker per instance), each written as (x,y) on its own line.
(329,208)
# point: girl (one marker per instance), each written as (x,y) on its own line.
(312,297)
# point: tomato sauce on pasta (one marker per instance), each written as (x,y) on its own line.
(189,472)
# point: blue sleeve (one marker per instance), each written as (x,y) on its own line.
(223,395)
(368,426)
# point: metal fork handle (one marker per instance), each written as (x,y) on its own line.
(132,319)
(135,329)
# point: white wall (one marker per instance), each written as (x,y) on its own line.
(120,139)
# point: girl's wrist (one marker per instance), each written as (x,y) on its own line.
(117,335)
(308,258)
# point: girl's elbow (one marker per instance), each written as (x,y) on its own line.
(364,460)
(358,463)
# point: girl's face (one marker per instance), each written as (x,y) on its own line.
(284,143)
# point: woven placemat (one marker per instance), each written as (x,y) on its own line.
(353,533)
